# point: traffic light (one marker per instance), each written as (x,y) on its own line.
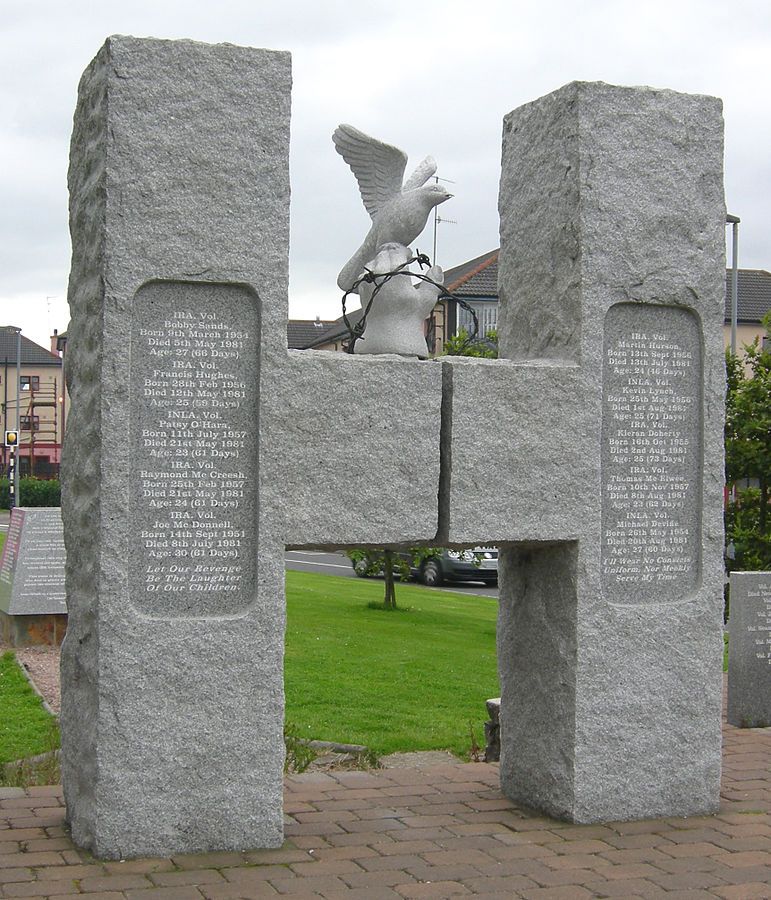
(12,439)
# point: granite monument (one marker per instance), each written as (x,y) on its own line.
(591,454)
(749,650)
(33,607)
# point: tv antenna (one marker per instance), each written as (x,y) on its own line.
(438,218)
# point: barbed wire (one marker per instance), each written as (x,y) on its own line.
(380,279)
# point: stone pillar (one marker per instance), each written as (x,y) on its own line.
(172,705)
(612,268)
(592,453)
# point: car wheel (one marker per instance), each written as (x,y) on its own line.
(360,568)
(432,574)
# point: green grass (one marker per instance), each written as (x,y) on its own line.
(26,729)
(410,679)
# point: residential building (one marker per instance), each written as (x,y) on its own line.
(34,401)
(476,283)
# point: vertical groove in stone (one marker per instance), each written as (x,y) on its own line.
(445,456)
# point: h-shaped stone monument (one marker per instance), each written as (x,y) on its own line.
(198,448)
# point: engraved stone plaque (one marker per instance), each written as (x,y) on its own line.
(32,563)
(749,650)
(651,454)
(194,387)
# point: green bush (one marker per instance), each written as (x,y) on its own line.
(32,492)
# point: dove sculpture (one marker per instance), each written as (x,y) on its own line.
(399,211)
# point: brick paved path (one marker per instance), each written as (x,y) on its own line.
(403,833)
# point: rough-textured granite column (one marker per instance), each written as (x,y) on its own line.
(599,453)
(172,703)
(198,448)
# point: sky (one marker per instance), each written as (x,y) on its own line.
(430,77)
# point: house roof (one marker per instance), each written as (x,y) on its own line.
(476,278)
(754,296)
(32,354)
(301,333)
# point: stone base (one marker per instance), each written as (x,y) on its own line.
(32,631)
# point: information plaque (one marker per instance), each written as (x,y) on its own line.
(194,389)
(651,454)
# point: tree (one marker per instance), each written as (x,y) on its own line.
(748,454)
(391,564)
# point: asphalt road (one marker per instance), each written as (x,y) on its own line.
(339,564)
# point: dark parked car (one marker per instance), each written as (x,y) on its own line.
(479,564)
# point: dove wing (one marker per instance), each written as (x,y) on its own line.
(421,175)
(378,167)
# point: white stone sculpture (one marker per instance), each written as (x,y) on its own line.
(399,214)
(397,315)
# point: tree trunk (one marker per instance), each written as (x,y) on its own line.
(389,601)
(762,522)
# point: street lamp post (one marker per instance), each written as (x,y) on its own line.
(733,221)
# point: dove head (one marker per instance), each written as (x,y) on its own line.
(435,194)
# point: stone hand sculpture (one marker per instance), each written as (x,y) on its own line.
(395,319)
(399,211)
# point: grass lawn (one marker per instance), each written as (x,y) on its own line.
(412,679)
(26,729)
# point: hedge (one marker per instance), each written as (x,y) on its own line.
(31,492)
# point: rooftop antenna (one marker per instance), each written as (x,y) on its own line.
(48,313)
(438,218)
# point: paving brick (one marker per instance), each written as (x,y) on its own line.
(20,873)
(470,856)
(187,876)
(252,874)
(624,888)
(744,859)
(279,856)
(439,889)
(503,884)
(352,852)
(181,892)
(387,877)
(687,880)
(141,866)
(227,891)
(379,892)
(100,883)
(557,893)
(39,888)
(743,891)
(208,860)
(327,867)
(313,883)
(30,860)
(449,872)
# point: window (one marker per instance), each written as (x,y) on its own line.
(487,315)
(25,423)
(30,382)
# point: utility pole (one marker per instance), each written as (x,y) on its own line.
(11,437)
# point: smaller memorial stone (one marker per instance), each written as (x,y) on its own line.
(749,651)
(32,577)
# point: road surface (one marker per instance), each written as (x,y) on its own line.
(338,564)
